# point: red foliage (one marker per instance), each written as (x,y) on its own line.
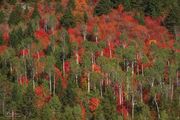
(38,55)
(93,104)
(2,49)
(39,91)
(59,76)
(67,66)
(120,8)
(6,36)
(123,110)
(96,68)
(43,37)
(24,52)
(23,80)
(83,111)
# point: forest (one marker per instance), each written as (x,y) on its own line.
(89,60)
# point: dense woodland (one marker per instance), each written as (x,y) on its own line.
(89,60)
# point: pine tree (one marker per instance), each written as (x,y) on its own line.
(2,17)
(115,3)
(28,108)
(13,19)
(1,38)
(71,4)
(12,2)
(67,19)
(59,7)
(36,14)
(103,7)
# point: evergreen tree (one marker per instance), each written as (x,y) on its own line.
(2,17)
(16,37)
(13,19)
(115,3)
(27,107)
(71,4)
(103,7)
(59,7)
(67,19)
(1,38)
(36,14)
(12,2)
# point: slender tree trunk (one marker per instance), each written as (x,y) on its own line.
(141,92)
(3,104)
(84,36)
(101,81)
(120,95)
(63,68)
(77,58)
(33,76)
(10,68)
(89,87)
(132,68)
(101,52)
(142,67)
(76,79)
(50,83)
(96,39)
(177,78)
(172,92)
(132,107)
(157,107)
(54,92)
(12,115)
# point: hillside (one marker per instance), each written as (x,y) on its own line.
(89,60)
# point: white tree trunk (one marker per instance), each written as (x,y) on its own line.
(89,87)
(101,83)
(141,92)
(132,107)
(54,92)
(63,68)
(132,68)
(157,107)
(50,83)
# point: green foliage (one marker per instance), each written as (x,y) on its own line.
(71,4)
(2,17)
(16,37)
(13,19)
(47,113)
(12,2)
(103,7)
(109,106)
(59,7)
(67,19)
(115,3)
(35,14)
(27,106)
(1,38)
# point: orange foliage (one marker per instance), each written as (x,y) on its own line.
(3,49)
(93,104)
